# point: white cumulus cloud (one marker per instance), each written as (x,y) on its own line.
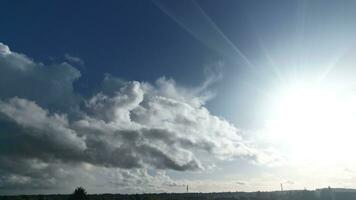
(128,127)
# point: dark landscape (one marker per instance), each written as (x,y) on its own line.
(319,194)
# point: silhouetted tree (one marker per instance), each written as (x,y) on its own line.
(79,194)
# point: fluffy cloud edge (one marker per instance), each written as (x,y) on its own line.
(128,125)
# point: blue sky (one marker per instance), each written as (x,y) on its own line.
(149,96)
(135,40)
(132,39)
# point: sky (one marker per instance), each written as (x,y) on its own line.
(138,96)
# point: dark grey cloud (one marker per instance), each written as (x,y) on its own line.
(50,135)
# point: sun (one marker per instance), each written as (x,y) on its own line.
(314,122)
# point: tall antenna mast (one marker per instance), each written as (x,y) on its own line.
(187,188)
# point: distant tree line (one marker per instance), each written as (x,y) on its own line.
(81,194)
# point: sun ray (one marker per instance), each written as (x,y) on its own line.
(204,29)
(336,61)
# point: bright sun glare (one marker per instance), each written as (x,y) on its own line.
(315,123)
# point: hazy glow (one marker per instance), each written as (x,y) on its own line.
(315,123)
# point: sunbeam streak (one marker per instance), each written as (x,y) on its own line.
(195,21)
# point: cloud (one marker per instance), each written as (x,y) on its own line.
(74,59)
(4,50)
(240,183)
(35,177)
(48,130)
(163,125)
(49,86)
(47,134)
